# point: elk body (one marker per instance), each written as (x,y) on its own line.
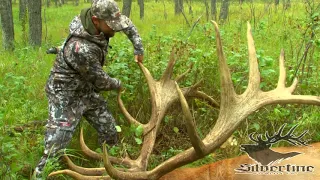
(233,109)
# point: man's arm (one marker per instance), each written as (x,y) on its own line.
(86,61)
(133,35)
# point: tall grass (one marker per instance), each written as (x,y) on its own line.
(24,72)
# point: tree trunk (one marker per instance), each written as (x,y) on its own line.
(35,22)
(164,10)
(206,4)
(178,6)
(190,6)
(22,10)
(23,19)
(48,3)
(76,3)
(286,4)
(141,5)
(126,8)
(7,24)
(57,3)
(224,10)
(276,2)
(214,9)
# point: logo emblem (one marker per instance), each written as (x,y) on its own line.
(266,158)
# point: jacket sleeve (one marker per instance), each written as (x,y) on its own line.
(133,35)
(86,60)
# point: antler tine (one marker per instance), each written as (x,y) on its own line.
(254,74)
(180,77)
(194,92)
(87,151)
(195,139)
(168,72)
(282,71)
(82,170)
(282,75)
(128,116)
(150,82)
(197,85)
(227,93)
(203,96)
(147,74)
(78,176)
(283,94)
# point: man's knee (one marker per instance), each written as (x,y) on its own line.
(57,139)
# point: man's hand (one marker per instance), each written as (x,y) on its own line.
(120,88)
(52,50)
(138,58)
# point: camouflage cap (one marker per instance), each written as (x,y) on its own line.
(110,12)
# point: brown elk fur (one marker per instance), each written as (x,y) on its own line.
(224,169)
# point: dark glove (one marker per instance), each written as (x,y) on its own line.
(52,50)
(120,88)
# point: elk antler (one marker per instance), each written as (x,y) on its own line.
(234,109)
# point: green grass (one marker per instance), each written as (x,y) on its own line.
(24,72)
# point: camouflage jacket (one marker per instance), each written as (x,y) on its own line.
(78,66)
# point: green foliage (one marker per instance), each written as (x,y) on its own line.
(51,165)
(170,152)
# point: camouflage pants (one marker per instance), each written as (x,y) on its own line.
(65,112)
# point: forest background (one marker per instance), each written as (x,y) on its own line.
(25,66)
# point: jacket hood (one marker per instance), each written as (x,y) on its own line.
(77,29)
